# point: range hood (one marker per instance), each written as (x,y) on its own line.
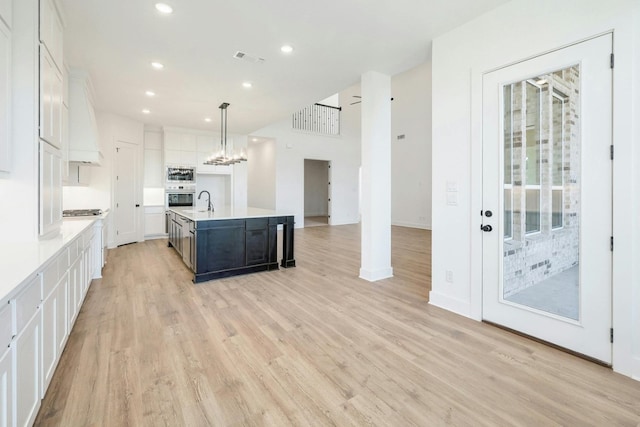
(84,145)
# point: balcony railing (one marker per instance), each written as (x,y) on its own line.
(318,118)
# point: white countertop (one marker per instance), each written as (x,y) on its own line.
(19,261)
(227,212)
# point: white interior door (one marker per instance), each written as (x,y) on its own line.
(126,203)
(547,197)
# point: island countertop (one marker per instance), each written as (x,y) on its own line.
(228,212)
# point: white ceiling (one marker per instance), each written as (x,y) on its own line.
(335,41)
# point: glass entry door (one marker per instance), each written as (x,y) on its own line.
(547,197)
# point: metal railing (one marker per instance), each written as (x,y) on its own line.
(318,118)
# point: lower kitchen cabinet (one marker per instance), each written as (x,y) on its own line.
(6,382)
(26,358)
(74,297)
(54,330)
(154,222)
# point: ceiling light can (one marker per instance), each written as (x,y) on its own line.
(286,48)
(157,65)
(247,85)
(164,8)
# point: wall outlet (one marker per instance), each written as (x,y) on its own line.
(448,276)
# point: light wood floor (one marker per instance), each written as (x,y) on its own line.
(311,345)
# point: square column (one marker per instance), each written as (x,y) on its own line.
(376,177)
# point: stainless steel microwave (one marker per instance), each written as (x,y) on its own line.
(181,174)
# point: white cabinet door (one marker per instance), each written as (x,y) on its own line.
(64,142)
(153,175)
(5,98)
(62,327)
(50,188)
(154,221)
(188,142)
(188,158)
(26,359)
(172,141)
(6,384)
(6,16)
(51,31)
(50,99)
(73,296)
(172,157)
(49,340)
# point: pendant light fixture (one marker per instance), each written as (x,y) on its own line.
(224,157)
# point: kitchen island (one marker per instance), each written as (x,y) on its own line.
(230,241)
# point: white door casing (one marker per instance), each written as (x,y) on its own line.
(589,332)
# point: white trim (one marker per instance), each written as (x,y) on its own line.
(408,224)
(375,275)
(448,303)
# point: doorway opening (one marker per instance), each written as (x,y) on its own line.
(317,192)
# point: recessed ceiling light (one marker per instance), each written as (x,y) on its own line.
(157,65)
(150,93)
(254,139)
(247,85)
(286,48)
(145,111)
(164,8)
(207,119)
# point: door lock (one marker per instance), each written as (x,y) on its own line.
(488,214)
(486,228)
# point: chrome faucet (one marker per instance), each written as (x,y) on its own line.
(209,204)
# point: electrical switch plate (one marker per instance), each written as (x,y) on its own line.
(449,276)
(452,186)
(452,199)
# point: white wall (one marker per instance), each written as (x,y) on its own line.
(19,189)
(411,156)
(292,147)
(261,174)
(494,40)
(316,187)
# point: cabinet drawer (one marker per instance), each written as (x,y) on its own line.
(75,248)
(63,262)
(257,223)
(49,278)
(26,304)
(6,328)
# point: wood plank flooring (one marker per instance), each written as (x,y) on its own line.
(311,345)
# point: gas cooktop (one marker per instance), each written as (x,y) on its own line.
(82,212)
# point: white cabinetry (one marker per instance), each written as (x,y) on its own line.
(180,149)
(153,170)
(27,352)
(6,368)
(5,94)
(6,16)
(50,99)
(154,222)
(51,32)
(50,188)
(6,382)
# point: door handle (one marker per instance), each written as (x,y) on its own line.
(486,228)
(137,205)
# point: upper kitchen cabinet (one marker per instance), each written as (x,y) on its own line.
(51,31)
(5,93)
(180,148)
(84,146)
(6,12)
(51,87)
(50,189)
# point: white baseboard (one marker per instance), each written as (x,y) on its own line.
(420,225)
(155,236)
(448,303)
(375,275)
(636,368)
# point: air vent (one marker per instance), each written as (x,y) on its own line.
(249,58)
